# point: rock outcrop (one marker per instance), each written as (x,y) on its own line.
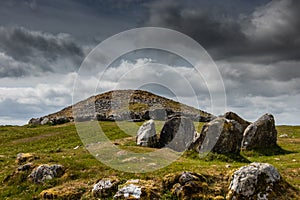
(261,134)
(46,172)
(138,189)
(255,181)
(106,187)
(177,133)
(220,135)
(146,135)
(50,120)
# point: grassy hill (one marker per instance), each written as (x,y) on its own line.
(56,144)
(126,102)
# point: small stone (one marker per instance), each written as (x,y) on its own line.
(25,167)
(105,187)
(130,191)
(277,159)
(24,157)
(294,160)
(227,166)
(76,147)
(46,172)
(284,136)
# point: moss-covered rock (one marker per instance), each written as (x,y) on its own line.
(68,191)
(106,187)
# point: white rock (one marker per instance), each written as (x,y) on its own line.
(146,135)
(245,180)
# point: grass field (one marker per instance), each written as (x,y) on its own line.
(55,144)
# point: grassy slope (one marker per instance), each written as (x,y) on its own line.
(55,144)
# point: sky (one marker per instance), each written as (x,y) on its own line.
(254,44)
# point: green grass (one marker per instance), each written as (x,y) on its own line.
(55,144)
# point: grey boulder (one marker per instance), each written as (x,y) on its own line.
(177,133)
(254,181)
(220,135)
(261,134)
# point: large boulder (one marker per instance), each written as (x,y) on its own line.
(177,133)
(254,181)
(146,135)
(261,134)
(236,117)
(46,172)
(220,136)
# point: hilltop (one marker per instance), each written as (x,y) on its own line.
(124,105)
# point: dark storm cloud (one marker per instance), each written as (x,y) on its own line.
(26,52)
(206,26)
(271,32)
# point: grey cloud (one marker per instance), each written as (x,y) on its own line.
(33,52)
(208,27)
(244,79)
(269,34)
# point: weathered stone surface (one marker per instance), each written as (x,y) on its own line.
(26,167)
(46,120)
(25,157)
(177,133)
(138,189)
(261,134)
(46,172)
(236,117)
(106,187)
(254,181)
(220,136)
(34,121)
(146,135)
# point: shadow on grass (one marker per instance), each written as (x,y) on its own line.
(271,151)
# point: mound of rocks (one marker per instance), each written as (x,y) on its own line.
(146,135)
(254,181)
(177,133)
(261,134)
(46,172)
